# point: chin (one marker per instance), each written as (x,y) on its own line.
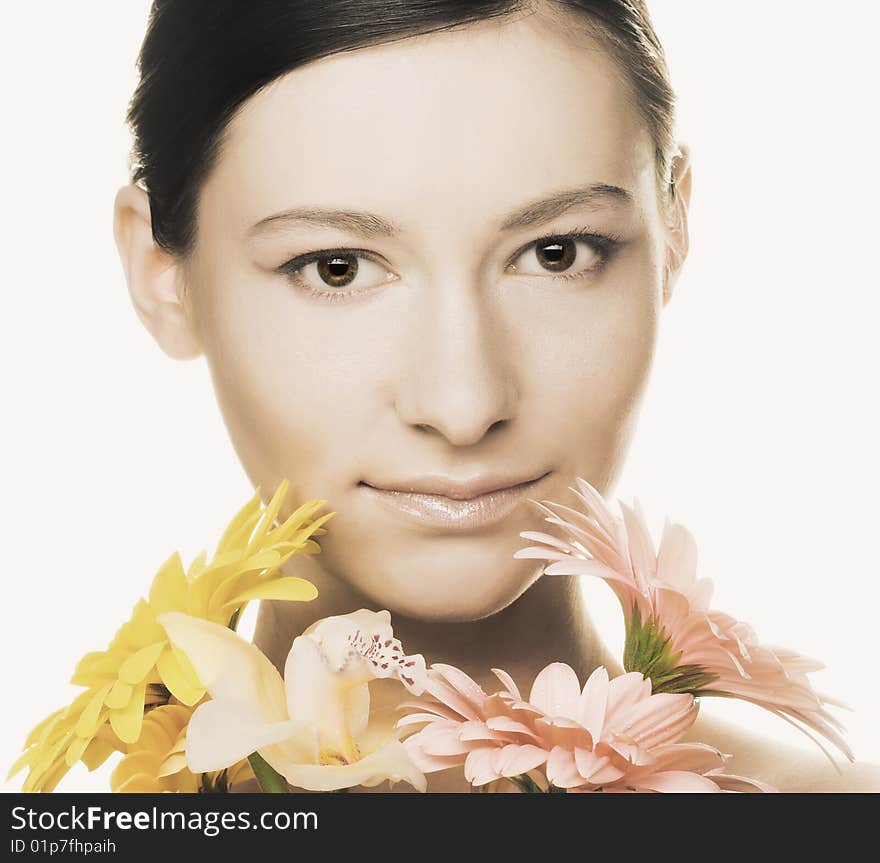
(469,600)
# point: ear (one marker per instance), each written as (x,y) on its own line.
(155,278)
(677,236)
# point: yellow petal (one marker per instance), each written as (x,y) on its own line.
(183,782)
(90,718)
(42,727)
(171,718)
(119,695)
(197,566)
(97,752)
(140,783)
(216,586)
(242,525)
(153,736)
(173,764)
(267,519)
(76,750)
(94,668)
(135,668)
(142,629)
(180,677)
(287,588)
(53,777)
(301,518)
(24,760)
(127,722)
(132,765)
(168,591)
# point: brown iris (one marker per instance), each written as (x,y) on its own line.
(557,256)
(338,270)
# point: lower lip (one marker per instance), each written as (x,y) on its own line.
(435,511)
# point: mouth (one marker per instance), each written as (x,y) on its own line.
(462,512)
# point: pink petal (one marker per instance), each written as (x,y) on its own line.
(478,732)
(677,557)
(562,770)
(508,725)
(624,691)
(593,702)
(508,682)
(441,739)
(678,781)
(514,759)
(429,763)
(413,718)
(433,707)
(461,682)
(641,546)
(562,732)
(732,782)
(595,505)
(556,690)
(478,768)
(438,687)
(596,768)
(691,757)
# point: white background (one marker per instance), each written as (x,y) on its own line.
(759,430)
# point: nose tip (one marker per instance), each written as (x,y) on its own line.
(462,436)
(458,378)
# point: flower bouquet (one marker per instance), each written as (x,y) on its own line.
(194,707)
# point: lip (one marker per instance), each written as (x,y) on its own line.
(476,504)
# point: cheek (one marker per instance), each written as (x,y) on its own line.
(289,391)
(591,368)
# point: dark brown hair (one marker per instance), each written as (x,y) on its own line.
(202,59)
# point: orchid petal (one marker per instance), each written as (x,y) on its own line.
(390,761)
(224,731)
(229,667)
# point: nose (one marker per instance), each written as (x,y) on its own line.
(457,378)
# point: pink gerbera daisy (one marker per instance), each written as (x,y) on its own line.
(612,735)
(672,636)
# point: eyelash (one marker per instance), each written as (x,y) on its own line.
(606,245)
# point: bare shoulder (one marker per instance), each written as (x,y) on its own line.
(785,767)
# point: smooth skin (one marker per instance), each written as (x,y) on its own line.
(456,351)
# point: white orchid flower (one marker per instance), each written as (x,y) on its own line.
(313,727)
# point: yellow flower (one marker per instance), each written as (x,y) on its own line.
(140,668)
(157,763)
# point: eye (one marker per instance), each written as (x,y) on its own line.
(566,256)
(336,273)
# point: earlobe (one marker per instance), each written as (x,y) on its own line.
(154,277)
(677,229)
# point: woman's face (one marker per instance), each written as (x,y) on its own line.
(420,319)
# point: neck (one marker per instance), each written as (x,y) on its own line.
(548,623)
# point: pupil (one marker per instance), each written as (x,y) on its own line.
(557,256)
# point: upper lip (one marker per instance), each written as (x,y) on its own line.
(456,489)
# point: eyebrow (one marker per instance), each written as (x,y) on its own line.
(372,226)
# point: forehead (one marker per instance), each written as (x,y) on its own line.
(462,125)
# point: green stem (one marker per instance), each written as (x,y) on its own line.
(269,780)
(526,784)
